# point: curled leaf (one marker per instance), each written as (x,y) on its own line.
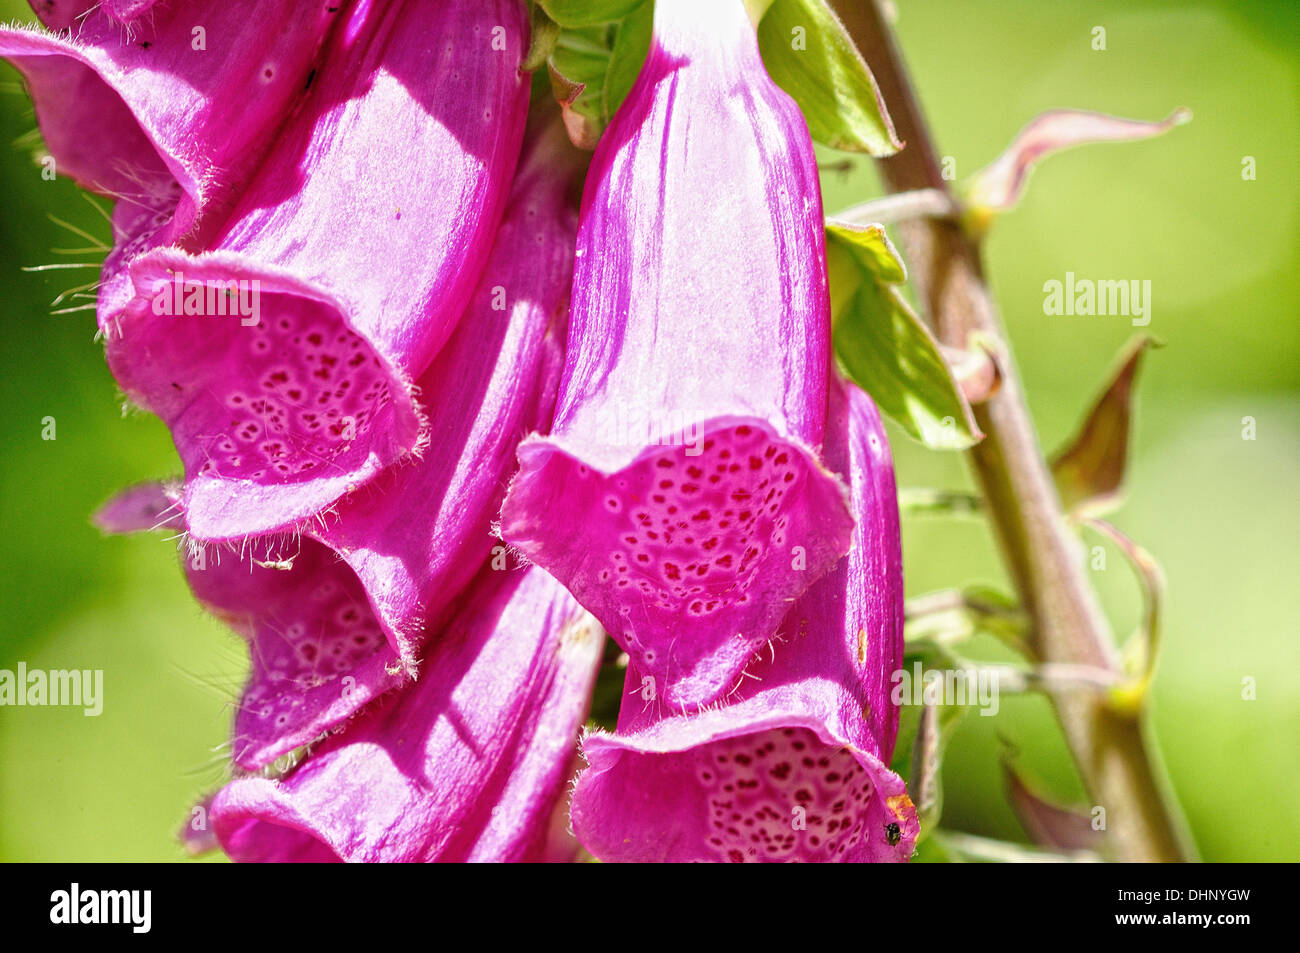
(572,13)
(1048,824)
(594,60)
(998,187)
(926,501)
(1089,470)
(1141,650)
(950,616)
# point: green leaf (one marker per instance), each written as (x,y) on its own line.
(573,13)
(925,501)
(940,621)
(810,55)
(885,347)
(593,67)
(543,32)
(631,44)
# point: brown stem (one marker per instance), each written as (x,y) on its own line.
(1043,555)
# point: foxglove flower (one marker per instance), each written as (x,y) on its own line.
(283,356)
(332,615)
(318,653)
(793,764)
(679,496)
(416,533)
(468,764)
(170,117)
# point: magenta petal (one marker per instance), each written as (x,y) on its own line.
(680,497)
(69,14)
(792,766)
(318,652)
(366,229)
(61,14)
(143,115)
(466,765)
(139,509)
(395,554)
(125,11)
(417,533)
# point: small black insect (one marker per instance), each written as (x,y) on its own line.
(893,834)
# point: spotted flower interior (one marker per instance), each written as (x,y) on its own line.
(691,554)
(772,795)
(318,652)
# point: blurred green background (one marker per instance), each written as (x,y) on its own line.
(1220,512)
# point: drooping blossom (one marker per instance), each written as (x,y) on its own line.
(317,651)
(416,533)
(794,764)
(170,117)
(283,356)
(468,764)
(333,615)
(679,496)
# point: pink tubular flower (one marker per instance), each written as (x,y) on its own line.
(282,356)
(318,653)
(468,764)
(793,765)
(417,533)
(332,615)
(680,497)
(171,116)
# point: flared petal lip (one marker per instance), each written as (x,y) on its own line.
(520,526)
(373,682)
(257,799)
(608,458)
(22,40)
(204,493)
(677,734)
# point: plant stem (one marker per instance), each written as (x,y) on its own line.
(1044,557)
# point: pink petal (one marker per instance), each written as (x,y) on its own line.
(680,497)
(367,226)
(417,533)
(792,765)
(395,554)
(171,131)
(317,649)
(466,765)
